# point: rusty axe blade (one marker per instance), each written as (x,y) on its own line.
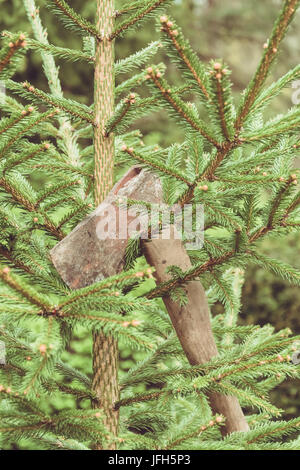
(83,257)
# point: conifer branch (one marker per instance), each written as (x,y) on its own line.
(294,204)
(53,189)
(120,113)
(75,19)
(237,370)
(5,253)
(217,75)
(19,159)
(275,205)
(213,367)
(179,106)
(127,9)
(253,399)
(269,346)
(26,291)
(138,399)
(35,120)
(209,172)
(48,206)
(221,214)
(269,146)
(37,373)
(73,213)
(155,165)
(145,10)
(273,90)
(216,421)
(249,179)
(51,72)
(72,108)
(79,394)
(171,30)
(16,194)
(104,285)
(13,121)
(222,153)
(60,52)
(283,126)
(277,430)
(13,47)
(32,427)
(60,166)
(285,271)
(137,59)
(285,17)
(190,275)
(132,82)
(278,198)
(30,206)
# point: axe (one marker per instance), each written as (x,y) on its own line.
(83,258)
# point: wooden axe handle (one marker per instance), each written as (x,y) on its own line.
(192,323)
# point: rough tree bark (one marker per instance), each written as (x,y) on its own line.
(105,348)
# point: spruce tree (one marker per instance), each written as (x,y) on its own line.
(58,161)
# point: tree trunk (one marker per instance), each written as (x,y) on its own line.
(192,323)
(105,348)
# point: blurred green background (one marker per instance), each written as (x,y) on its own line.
(231,29)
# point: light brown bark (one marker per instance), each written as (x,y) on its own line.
(105,348)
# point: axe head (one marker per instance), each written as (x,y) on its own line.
(83,258)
